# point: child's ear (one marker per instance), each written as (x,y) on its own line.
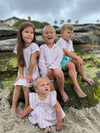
(55,35)
(43,37)
(36,90)
(61,32)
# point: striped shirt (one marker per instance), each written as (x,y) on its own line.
(50,58)
(44,112)
(64,44)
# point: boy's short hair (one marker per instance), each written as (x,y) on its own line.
(67,26)
(47,27)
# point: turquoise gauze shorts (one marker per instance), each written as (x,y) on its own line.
(64,61)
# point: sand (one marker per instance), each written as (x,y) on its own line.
(77,121)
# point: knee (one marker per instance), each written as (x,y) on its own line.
(58,73)
(18,87)
(71,66)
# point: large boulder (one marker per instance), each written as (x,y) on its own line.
(79,38)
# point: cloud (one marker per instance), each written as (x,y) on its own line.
(50,10)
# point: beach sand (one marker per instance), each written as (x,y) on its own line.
(77,121)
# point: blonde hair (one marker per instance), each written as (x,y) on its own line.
(47,27)
(67,26)
(37,81)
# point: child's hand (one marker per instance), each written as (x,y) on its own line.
(18,77)
(20,115)
(59,126)
(29,78)
(80,61)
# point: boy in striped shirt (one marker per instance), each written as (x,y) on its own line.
(50,60)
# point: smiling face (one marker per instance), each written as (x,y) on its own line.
(67,34)
(49,35)
(28,35)
(43,86)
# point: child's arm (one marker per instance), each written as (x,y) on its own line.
(32,62)
(59,116)
(73,56)
(20,73)
(26,112)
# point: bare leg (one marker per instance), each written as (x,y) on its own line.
(73,75)
(16,95)
(81,71)
(26,95)
(58,73)
(52,88)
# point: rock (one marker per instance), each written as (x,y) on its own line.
(8,31)
(8,45)
(89,38)
(82,28)
(8,73)
(86,28)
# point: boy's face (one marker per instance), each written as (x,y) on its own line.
(67,34)
(49,35)
(43,87)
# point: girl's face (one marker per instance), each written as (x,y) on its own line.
(49,35)
(67,34)
(28,35)
(43,87)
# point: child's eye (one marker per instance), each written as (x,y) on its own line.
(46,32)
(48,84)
(42,84)
(26,31)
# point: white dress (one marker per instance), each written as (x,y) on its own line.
(32,48)
(43,113)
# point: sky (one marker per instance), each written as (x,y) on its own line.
(85,11)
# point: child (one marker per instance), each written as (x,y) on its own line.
(27,52)
(50,59)
(71,60)
(44,109)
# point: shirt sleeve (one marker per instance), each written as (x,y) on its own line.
(32,100)
(34,48)
(42,64)
(72,48)
(53,97)
(60,43)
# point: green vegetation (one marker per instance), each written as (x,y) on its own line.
(37,24)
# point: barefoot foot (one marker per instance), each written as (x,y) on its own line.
(90,81)
(79,92)
(64,96)
(12,108)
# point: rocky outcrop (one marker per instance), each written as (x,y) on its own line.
(8,73)
(83,34)
(78,39)
(90,52)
